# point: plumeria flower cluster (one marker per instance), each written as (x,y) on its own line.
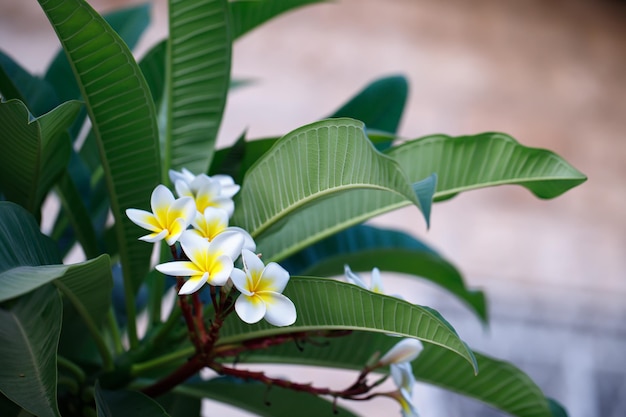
(199,220)
(399,357)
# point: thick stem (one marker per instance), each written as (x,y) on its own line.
(187,370)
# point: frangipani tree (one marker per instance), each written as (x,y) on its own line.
(248,235)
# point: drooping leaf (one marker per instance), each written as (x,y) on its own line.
(257,399)
(469,162)
(122,114)
(365,247)
(35,152)
(248,14)
(29,334)
(326,304)
(285,195)
(126,403)
(498,383)
(199,52)
(380,105)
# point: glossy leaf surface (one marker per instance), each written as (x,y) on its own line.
(35,152)
(498,383)
(122,114)
(286,195)
(199,70)
(470,162)
(326,304)
(29,334)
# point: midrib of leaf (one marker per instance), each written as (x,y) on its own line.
(311,163)
(199,53)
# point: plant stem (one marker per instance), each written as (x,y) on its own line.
(70,366)
(107,359)
(140,368)
(111,323)
(177,377)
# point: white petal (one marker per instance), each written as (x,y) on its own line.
(248,242)
(193,284)
(220,270)
(143,219)
(182,189)
(154,237)
(229,244)
(280,310)
(251,262)
(249,310)
(353,278)
(224,203)
(240,281)
(402,375)
(183,208)
(174,231)
(161,199)
(178,269)
(194,246)
(274,278)
(377,282)
(404,351)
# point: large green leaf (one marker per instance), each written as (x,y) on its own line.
(35,152)
(128,23)
(123,118)
(29,334)
(126,403)
(365,247)
(498,383)
(469,162)
(326,304)
(283,195)
(260,400)
(248,14)
(379,105)
(199,52)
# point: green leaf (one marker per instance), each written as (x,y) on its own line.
(365,247)
(469,162)
(258,399)
(126,403)
(199,63)
(35,152)
(180,405)
(29,334)
(285,196)
(153,69)
(128,23)
(497,383)
(17,83)
(380,105)
(123,118)
(326,304)
(248,14)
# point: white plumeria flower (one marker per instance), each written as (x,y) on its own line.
(376,281)
(169,218)
(405,350)
(214,221)
(399,360)
(261,287)
(216,191)
(209,262)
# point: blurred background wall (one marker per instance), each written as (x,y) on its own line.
(550,73)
